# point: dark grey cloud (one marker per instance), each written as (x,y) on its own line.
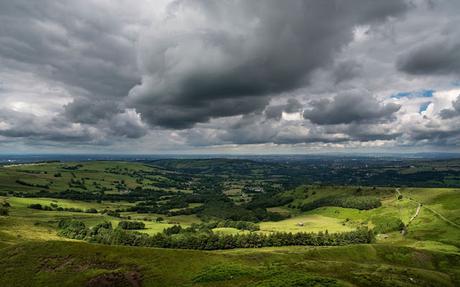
(276,111)
(346,70)
(29,126)
(453,112)
(237,50)
(436,136)
(437,55)
(82,45)
(354,107)
(88,111)
(207,73)
(436,58)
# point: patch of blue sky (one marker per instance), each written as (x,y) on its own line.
(424,107)
(416,94)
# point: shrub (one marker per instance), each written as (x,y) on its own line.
(37,206)
(358,202)
(4,211)
(176,237)
(131,225)
(72,229)
(175,229)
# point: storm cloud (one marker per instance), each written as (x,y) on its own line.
(452,112)
(349,108)
(208,54)
(155,75)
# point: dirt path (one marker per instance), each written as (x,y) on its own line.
(416,213)
(430,209)
(419,206)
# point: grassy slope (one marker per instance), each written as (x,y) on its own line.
(429,253)
(56,263)
(25,224)
(44,174)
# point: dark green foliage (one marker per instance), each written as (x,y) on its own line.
(358,202)
(4,211)
(72,229)
(269,200)
(227,210)
(131,225)
(55,207)
(22,182)
(72,167)
(173,237)
(111,213)
(175,229)
(241,225)
(38,206)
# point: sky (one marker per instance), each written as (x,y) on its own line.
(234,76)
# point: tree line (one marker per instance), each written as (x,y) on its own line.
(105,234)
(358,202)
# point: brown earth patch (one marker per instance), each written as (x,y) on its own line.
(116,279)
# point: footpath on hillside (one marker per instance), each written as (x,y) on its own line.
(419,207)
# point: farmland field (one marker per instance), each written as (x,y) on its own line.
(416,231)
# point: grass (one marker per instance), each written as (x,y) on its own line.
(57,263)
(44,174)
(306,223)
(429,253)
(26,224)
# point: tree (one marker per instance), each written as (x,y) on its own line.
(4,211)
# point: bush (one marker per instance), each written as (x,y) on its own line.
(358,202)
(5,204)
(241,225)
(111,213)
(37,206)
(72,229)
(176,237)
(4,211)
(175,229)
(131,225)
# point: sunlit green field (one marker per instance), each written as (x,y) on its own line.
(306,223)
(428,254)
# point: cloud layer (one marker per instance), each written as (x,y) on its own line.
(236,75)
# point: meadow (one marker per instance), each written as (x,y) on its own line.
(408,251)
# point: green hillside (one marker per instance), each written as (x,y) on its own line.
(417,230)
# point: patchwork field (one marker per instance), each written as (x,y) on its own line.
(417,230)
